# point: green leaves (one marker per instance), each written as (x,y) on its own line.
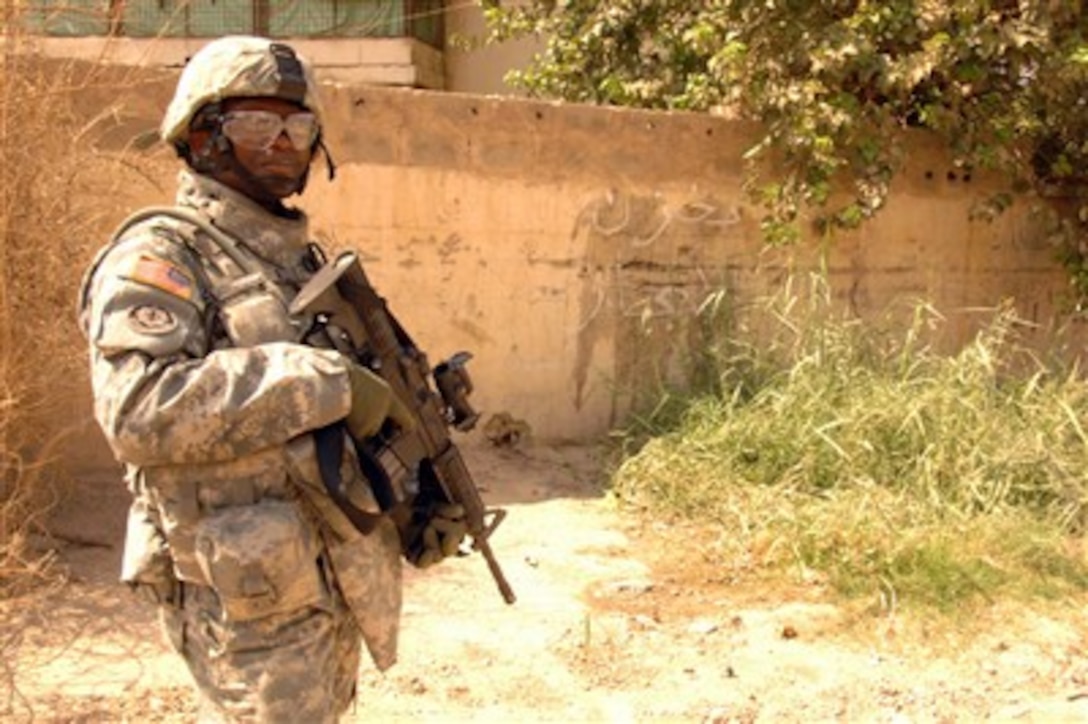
(832,81)
(1079,54)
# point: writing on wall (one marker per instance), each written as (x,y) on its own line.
(649,265)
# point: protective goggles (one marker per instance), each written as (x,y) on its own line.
(259,130)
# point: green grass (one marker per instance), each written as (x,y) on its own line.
(824,444)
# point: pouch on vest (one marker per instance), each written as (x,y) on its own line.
(368,570)
(146,563)
(261,559)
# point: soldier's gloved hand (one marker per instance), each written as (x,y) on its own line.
(372,402)
(443,534)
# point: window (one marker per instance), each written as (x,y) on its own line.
(69,18)
(420,19)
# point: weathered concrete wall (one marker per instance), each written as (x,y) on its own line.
(538,236)
(569,247)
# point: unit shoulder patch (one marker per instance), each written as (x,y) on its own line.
(152,320)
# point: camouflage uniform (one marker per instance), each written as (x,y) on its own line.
(264,589)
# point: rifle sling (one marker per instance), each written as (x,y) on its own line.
(329,441)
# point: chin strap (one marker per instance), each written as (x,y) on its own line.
(329,163)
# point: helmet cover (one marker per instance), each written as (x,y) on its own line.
(239,66)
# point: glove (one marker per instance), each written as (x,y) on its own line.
(443,534)
(372,403)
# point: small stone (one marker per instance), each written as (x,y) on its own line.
(637,587)
(702,627)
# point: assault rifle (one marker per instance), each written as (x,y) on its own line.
(410,471)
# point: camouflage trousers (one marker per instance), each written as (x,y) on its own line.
(298,666)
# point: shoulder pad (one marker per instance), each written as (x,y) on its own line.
(142,293)
(164,238)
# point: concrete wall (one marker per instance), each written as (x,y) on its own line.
(569,247)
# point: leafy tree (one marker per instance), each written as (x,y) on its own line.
(834,82)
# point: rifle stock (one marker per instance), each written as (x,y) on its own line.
(359,324)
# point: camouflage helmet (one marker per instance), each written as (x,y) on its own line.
(238,66)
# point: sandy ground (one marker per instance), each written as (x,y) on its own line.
(615,622)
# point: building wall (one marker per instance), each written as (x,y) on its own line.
(379,61)
(466,65)
(472,66)
(569,248)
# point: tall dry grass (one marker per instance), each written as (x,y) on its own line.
(827,448)
(63,158)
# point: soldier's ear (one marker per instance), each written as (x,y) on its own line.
(198,140)
(202,128)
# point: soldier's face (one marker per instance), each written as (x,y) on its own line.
(281,166)
(278,166)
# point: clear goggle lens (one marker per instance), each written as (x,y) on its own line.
(260,129)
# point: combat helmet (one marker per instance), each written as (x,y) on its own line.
(239,66)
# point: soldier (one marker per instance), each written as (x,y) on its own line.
(208,393)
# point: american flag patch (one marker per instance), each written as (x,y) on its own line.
(164,275)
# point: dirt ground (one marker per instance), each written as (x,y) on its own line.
(615,622)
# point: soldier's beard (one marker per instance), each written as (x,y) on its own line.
(264,179)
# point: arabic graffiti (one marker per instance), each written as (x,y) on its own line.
(647,268)
(646,259)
